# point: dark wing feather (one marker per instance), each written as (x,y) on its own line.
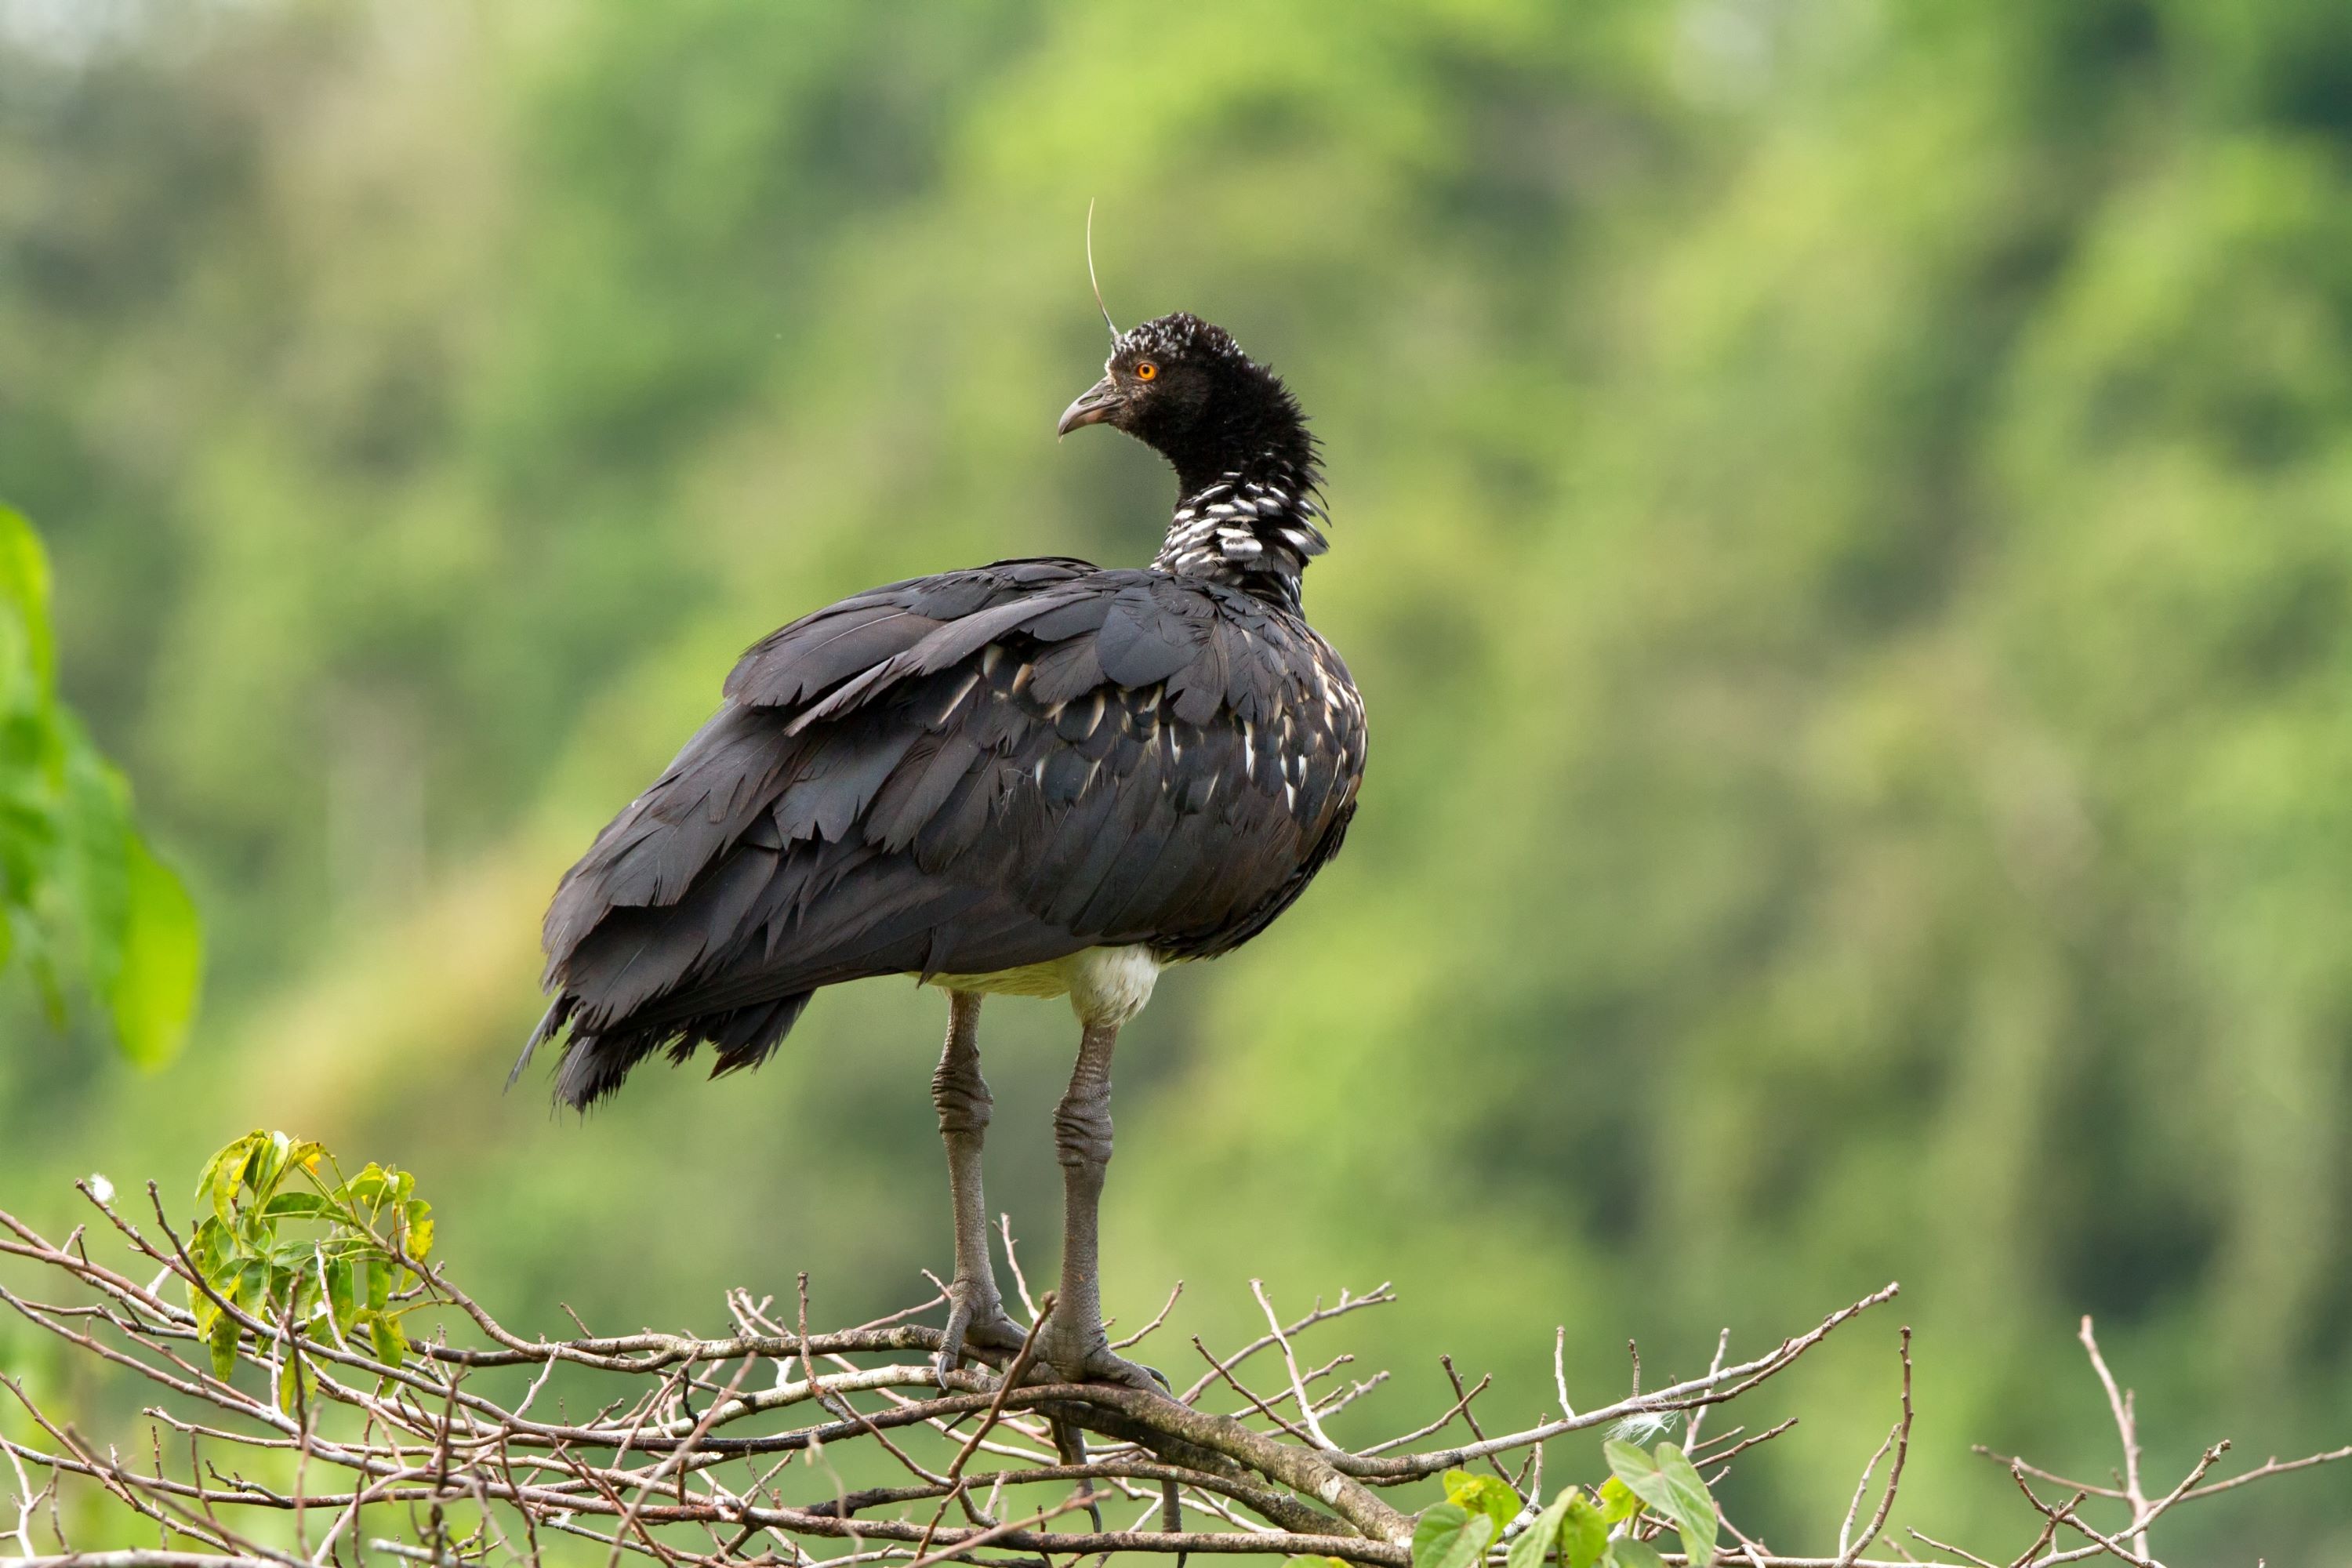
(957,774)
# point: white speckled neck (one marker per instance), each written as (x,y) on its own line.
(1254,529)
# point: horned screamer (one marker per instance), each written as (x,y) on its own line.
(1038,778)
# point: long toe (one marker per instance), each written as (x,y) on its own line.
(997,1331)
(1100,1365)
(974,1322)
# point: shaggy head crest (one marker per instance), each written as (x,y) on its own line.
(1180,334)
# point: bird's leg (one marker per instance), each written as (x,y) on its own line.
(1074,1343)
(975,1312)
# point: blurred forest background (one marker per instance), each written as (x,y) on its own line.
(1843,516)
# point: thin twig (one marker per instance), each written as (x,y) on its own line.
(1290,1361)
(1013,1261)
(2267,1470)
(2064,1514)
(1935,1545)
(1698,1417)
(1260,1405)
(1159,1318)
(1901,1438)
(997,1532)
(2119,1402)
(1724,1455)
(1380,1296)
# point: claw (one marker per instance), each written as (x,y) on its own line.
(952,1342)
(1108,1368)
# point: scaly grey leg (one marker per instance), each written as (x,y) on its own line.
(975,1312)
(1074,1343)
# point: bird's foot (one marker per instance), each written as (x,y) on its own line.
(1084,1355)
(976,1316)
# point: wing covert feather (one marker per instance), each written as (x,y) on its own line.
(959,774)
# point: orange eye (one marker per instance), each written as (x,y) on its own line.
(1145,370)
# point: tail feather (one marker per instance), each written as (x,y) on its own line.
(549,1023)
(597,1061)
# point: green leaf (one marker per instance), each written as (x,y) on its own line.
(258,1288)
(294,1256)
(379,1282)
(25,596)
(211,1180)
(1631,1554)
(93,824)
(1667,1481)
(1618,1503)
(1436,1528)
(1535,1540)
(210,1244)
(1573,1523)
(1450,1536)
(293,1371)
(1490,1495)
(341,1304)
(367,1191)
(1583,1534)
(302,1290)
(224,1176)
(151,992)
(1306,1559)
(418,1241)
(268,1165)
(222,1339)
(392,1340)
(298,1205)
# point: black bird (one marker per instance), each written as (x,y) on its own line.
(1038,778)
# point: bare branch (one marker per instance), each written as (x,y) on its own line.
(2269,1468)
(1714,1389)
(487,1479)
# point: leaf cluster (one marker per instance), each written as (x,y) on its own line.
(1584,1527)
(317,1254)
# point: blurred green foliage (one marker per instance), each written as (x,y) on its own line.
(1842,517)
(81,896)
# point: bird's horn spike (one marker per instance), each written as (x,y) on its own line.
(1090,272)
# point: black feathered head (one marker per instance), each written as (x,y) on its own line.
(1185,388)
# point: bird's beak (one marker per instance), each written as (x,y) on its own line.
(1094,405)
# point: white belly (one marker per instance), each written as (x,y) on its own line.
(1105,985)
